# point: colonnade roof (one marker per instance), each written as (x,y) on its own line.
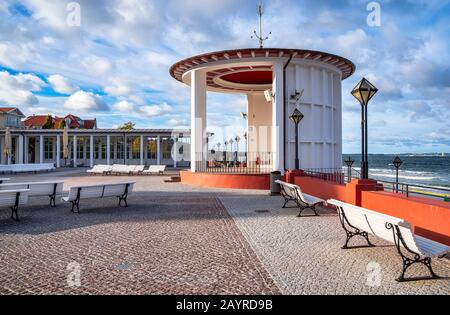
(250,69)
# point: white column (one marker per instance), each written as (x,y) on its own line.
(141,151)
(175,152)
(20,150)
(91,151)
(125,149)
(58,151)
(2,146)
(158,150)
(198,117)
(25,153)
(41,149)
(277,118)
(75,138)
(108,150)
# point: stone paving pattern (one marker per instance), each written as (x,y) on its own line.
(178,239)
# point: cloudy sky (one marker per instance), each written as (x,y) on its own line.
(114,66)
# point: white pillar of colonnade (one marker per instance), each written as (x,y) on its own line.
(91,151)
(108,150)
(75,144)
(198,118)
(41,149)
(277,117)
(58,151)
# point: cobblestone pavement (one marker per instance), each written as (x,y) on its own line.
(304,255)
(176,244)
(180,239)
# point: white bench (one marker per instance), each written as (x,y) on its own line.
(38,189)
(120,169)
(119,190)
(412,248)
(13,199)
(155,169)
(4,179)
(291,192)
(100,169)
(26,168)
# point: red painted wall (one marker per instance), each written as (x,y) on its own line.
(431,218)
(236,181)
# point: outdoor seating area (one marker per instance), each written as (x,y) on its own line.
(119,169)
(176,220)
(26,168)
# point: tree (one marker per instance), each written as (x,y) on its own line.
(62,124)
(127,126)
(48,122)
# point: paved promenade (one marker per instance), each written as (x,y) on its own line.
(177,239)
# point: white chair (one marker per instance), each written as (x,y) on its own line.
(119,190)
(13,199)
(4,179)
(357,221)
(138,169)
(291,192)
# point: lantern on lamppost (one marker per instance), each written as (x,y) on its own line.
(397,163)
(364,91)
(296,118)
(349,162)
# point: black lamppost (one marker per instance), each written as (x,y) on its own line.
(296,117)
(397,163)
(237,139)
(349,162)
(225,152)
(363,92)
(246,147)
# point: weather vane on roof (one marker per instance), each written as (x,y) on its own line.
(260,37)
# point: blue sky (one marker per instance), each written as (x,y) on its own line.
(114,66)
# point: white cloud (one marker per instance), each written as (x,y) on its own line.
(124,107)
(17,89)
(156,110)
(14,55)
(61,84)
(97,65)
(85,102)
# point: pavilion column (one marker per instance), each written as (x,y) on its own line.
(198,118)
(277,118)
(2,146)
(25,153)
(175,152)
(20,150)
(108,150)
(41,149)
(158,150)
(91,151)
(125,149)
(75,144)
(141,151)
(58,151)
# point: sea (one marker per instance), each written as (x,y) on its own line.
(422,169)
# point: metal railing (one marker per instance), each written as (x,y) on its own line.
(334,175)
(439,193)
(234,163)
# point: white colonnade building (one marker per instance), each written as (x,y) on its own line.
(98,146)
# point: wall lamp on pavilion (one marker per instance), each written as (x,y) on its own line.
(296,118)
(364,91)
(397,163)
(349,162)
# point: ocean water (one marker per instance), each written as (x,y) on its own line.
(423,169)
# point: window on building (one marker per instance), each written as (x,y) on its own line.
(80,146)
(48,148)
(152,147)
(135,148)
(120,147)
(166,147)
(100,150)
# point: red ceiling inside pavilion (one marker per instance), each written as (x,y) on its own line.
(249,77)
